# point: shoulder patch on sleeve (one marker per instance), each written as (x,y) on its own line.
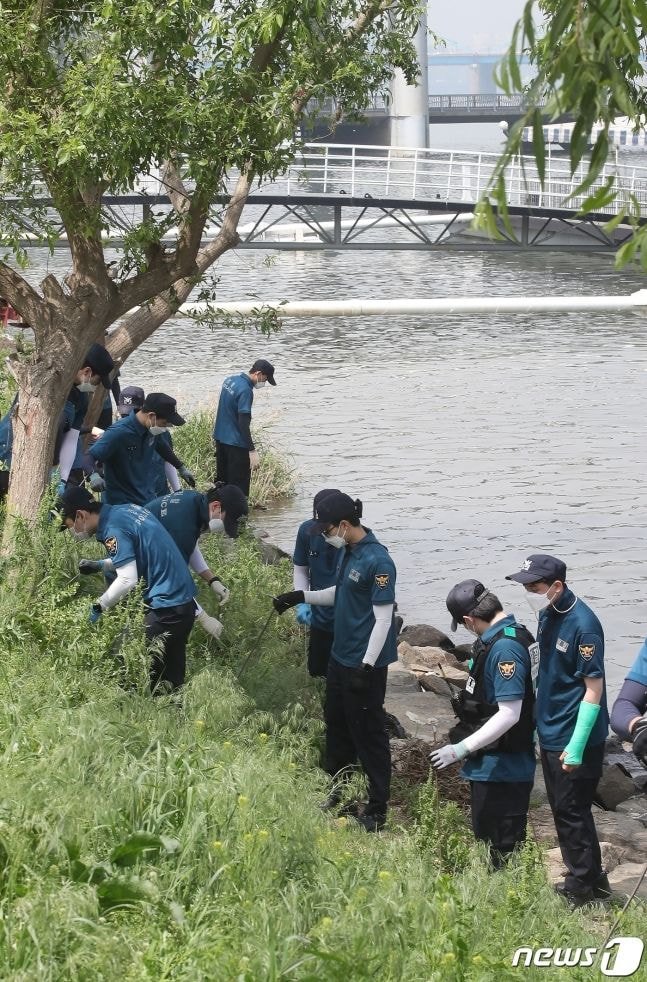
(111,545)
(586,651)
(382,580)
(507,669)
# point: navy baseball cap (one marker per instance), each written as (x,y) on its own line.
(320,495)
(75,498)
(101,363)
(163,406)
(234,506)
(131,398)
(336,507)
(464,598)
(540,567)
(264,366)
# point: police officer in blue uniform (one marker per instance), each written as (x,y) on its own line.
(165,475)
(127,451)
(572,719)
(629,713)
(236,455)
(364,646)
(95,371)
(494,735)
(315,568)
(140,548)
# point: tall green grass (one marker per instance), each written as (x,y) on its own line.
(275,478)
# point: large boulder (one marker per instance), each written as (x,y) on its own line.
(614,787)
(435,682)
(425,636)
(427,656)
(623,879)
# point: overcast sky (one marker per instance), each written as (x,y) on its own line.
(475,25)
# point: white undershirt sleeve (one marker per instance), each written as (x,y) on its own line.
(172,477)
(321,598)
(383,614)
(503,720)
(125,582)
(67,453)
(301,578)
(197,561)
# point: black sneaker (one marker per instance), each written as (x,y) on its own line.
(573,898)
(372,823)
(331,802)
(602,888)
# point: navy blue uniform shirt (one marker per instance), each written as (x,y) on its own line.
(638,671)
(503,684)
(571,646)
(131,533)
(365,576)
(312,550)
(160,481)
(127,451)
(236,396)
(184,515)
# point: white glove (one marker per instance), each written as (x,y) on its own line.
(447,755)
(220,590)
(209,624)
(254,459)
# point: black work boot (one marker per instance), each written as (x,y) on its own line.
(371,822)
(602,888)
(574,898)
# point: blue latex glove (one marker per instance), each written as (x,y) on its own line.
(304,614)
(94,615)
(60,488)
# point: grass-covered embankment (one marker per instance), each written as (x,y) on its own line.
(143,840)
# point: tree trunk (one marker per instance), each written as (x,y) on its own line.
(40,403)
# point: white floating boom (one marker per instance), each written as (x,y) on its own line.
(436,305)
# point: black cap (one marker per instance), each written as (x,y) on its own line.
(464,599)
(540,567)
(101,363)
(234,505)
(336,507)
(130,400)
(319,497)
(264,366)
(163,406)
(75,498)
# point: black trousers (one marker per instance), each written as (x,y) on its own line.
(500,816)
(319,647)
(232,466)
(570,795)
(172,627)
(355,730)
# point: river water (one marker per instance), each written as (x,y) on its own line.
(472,440)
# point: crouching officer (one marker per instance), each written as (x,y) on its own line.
(629,713)
(140,548)
(494,735)
(572,720)
(315,568)
(363,646)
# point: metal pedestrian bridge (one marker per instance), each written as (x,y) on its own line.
(335,197)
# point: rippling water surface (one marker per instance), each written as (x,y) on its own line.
(472,440)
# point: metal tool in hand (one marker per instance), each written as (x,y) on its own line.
(255,646)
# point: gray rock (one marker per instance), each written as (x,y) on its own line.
(405,700)
(425,636)
(271,554)
(613,827)
(435,682)
(635,808)
(614,787)
(624,877)
(612,856)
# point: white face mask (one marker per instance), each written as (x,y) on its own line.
(470,628)
(79,535)
(260,385)
(539,601)
(87,387)
(337,541)
(157,430)
(216,525)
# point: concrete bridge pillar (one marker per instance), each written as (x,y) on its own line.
(409,109)
(481,79)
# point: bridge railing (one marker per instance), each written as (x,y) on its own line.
(444,176)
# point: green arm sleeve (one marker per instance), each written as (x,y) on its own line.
(586,717)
